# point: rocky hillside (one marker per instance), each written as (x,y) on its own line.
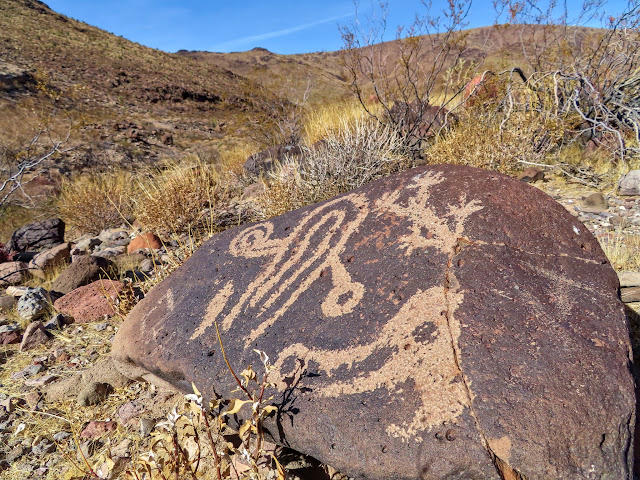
(127,103)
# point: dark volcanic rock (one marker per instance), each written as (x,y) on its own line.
(38,236)
(421,327)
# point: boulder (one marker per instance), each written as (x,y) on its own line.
(146,240)
(91,302)
(629,184)
(12,273)
(83,271)
(34,304)
(38,236)
(596,200)
(47,260)
(421,326)
(266,160)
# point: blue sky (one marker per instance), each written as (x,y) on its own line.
(281,26)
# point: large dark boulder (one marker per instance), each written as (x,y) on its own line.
(442,323)
(38,236)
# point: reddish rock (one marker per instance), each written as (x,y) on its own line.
(10,338)
(12,273)
(421,326)
(145,240)
(90,302)
(35,334)
(97,429)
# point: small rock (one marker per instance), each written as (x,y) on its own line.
(101,327)
(629,279)
(94,393)
(122,449)
(12,273)
(597,201)
(113,234)
(630,294)
(129,411)
(146,425)
(41,382)
(43,447)
(88,244)
(34,335)
(86,450)
(531,174)
(15,453)
(61,436)
(83,271)
(34,304)
(10,338)
(147,240)
(630,183)
(49,259)
(97,429)
(111,252)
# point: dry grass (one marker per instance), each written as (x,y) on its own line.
(330,118)
(92,203)
(622,251)
(181,198)
(358,152)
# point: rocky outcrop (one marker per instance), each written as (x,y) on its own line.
(421,326)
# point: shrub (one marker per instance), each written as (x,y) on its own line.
(180,198)
(93,203)
(357,153)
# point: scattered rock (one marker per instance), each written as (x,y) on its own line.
(129,410)
(629,184)
(88,244)
(34,304)
(630,294)
(146,240)
(38,236)
(94,393)
(629,279)
(428,283)
(61,436)
(83,271)
(41,382)
(531,174)
(43,447)
(146,426)
(96,429)
(122,449)
(91,302)
(596,200)
(10,338)
(45,261)
(35,334)
(12,273)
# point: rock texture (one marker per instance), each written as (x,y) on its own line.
(90,302)
(38,236)
(82,271)
(421,326)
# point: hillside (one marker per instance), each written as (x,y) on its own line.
(122,98)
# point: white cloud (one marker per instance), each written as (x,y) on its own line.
(253,39)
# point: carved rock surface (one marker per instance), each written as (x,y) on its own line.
(421,327)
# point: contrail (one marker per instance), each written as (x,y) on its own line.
(277,33)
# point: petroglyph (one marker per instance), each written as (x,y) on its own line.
(314,246)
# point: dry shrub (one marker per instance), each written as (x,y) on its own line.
(92,203)
(357,153)
(330,118)
(503,143)
(180,198)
